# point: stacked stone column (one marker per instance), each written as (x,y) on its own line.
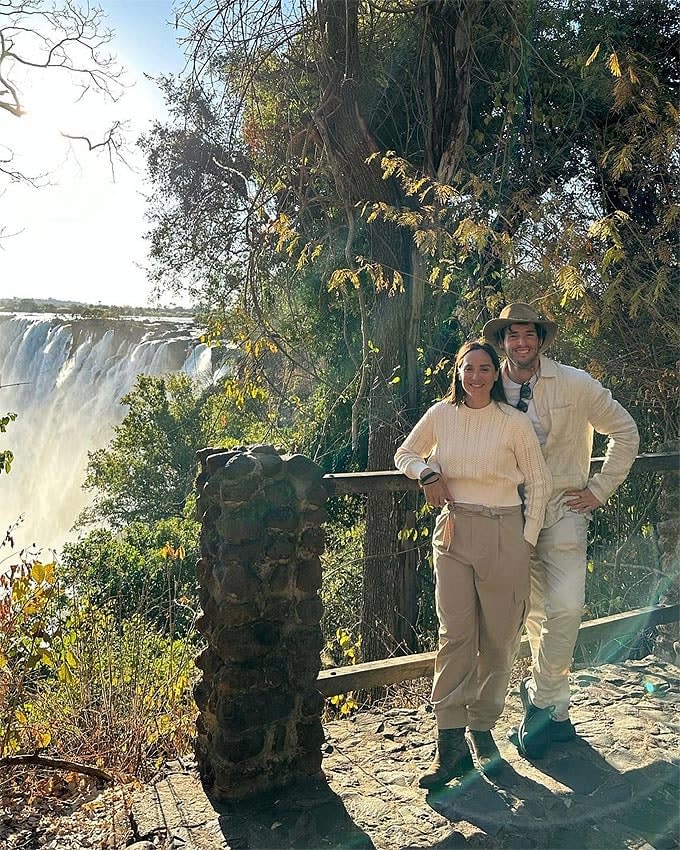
(259,575)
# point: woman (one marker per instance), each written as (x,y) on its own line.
(472,454)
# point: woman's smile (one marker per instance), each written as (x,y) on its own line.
(477,375)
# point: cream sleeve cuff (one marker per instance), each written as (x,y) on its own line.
(531,531)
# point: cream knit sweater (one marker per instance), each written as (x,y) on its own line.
(484,456)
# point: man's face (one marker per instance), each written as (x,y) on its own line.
(522,344)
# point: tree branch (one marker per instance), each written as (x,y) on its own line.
(58,764)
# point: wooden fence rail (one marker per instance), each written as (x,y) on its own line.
(390,481)
(390,671)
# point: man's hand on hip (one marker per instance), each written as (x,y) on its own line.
(582,501)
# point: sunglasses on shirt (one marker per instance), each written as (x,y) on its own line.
(525,396)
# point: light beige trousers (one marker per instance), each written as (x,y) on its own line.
(558,579)
(481,593)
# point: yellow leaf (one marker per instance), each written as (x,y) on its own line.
(43,739)
(21,717)
(46,658)
(613,65)
(37,572)
(593,55)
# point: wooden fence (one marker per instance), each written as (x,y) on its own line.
(391,671)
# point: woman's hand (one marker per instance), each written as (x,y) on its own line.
(437,494)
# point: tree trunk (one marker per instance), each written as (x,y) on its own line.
(389,582)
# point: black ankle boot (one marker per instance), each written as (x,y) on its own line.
(484,752)
(452,760)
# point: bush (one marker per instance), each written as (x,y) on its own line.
(77,681)
(30,632)
(145,569)
(341,581)
(127,703)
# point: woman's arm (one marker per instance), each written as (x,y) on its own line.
(411,459)
(537,478)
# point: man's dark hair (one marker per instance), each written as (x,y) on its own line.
(540,331)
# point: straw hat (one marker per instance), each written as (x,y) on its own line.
(516,314)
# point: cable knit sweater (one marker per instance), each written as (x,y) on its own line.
(484,455)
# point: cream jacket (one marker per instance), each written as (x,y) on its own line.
(571,405)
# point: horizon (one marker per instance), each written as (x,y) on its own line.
(36,302)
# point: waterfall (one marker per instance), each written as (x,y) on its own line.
(64,378)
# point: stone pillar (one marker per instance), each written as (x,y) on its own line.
(259,575)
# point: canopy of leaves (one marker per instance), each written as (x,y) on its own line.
(146,570)
(568,149)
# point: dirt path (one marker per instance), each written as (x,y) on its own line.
(617,787)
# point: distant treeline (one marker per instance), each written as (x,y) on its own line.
(98,311)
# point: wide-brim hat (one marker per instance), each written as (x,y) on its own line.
(518,314)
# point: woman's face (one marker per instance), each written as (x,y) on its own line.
(477,374)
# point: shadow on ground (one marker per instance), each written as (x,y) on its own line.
(308,816)
(596,808)
(615,788)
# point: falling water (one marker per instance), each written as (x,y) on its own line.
(64,377)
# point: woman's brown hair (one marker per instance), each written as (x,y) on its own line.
(456,393)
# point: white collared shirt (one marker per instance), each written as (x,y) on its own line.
(512,394)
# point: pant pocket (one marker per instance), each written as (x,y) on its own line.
(443,530)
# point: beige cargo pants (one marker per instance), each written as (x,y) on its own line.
(481,565)
(558,579)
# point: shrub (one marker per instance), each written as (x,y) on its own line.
(77,681)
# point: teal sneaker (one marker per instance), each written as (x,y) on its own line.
(534,733)
(562,731)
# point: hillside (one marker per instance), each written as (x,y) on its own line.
(55,305)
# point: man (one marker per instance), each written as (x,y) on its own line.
(565,406)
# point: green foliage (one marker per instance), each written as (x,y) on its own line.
(31,647)
(127,703)
(145,569)
(6,456)
(76,308)
(624,569)
(146,473)
(341,578)
(77,680)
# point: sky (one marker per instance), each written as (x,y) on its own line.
(80,237)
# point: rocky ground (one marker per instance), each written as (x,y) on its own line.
(617,787)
